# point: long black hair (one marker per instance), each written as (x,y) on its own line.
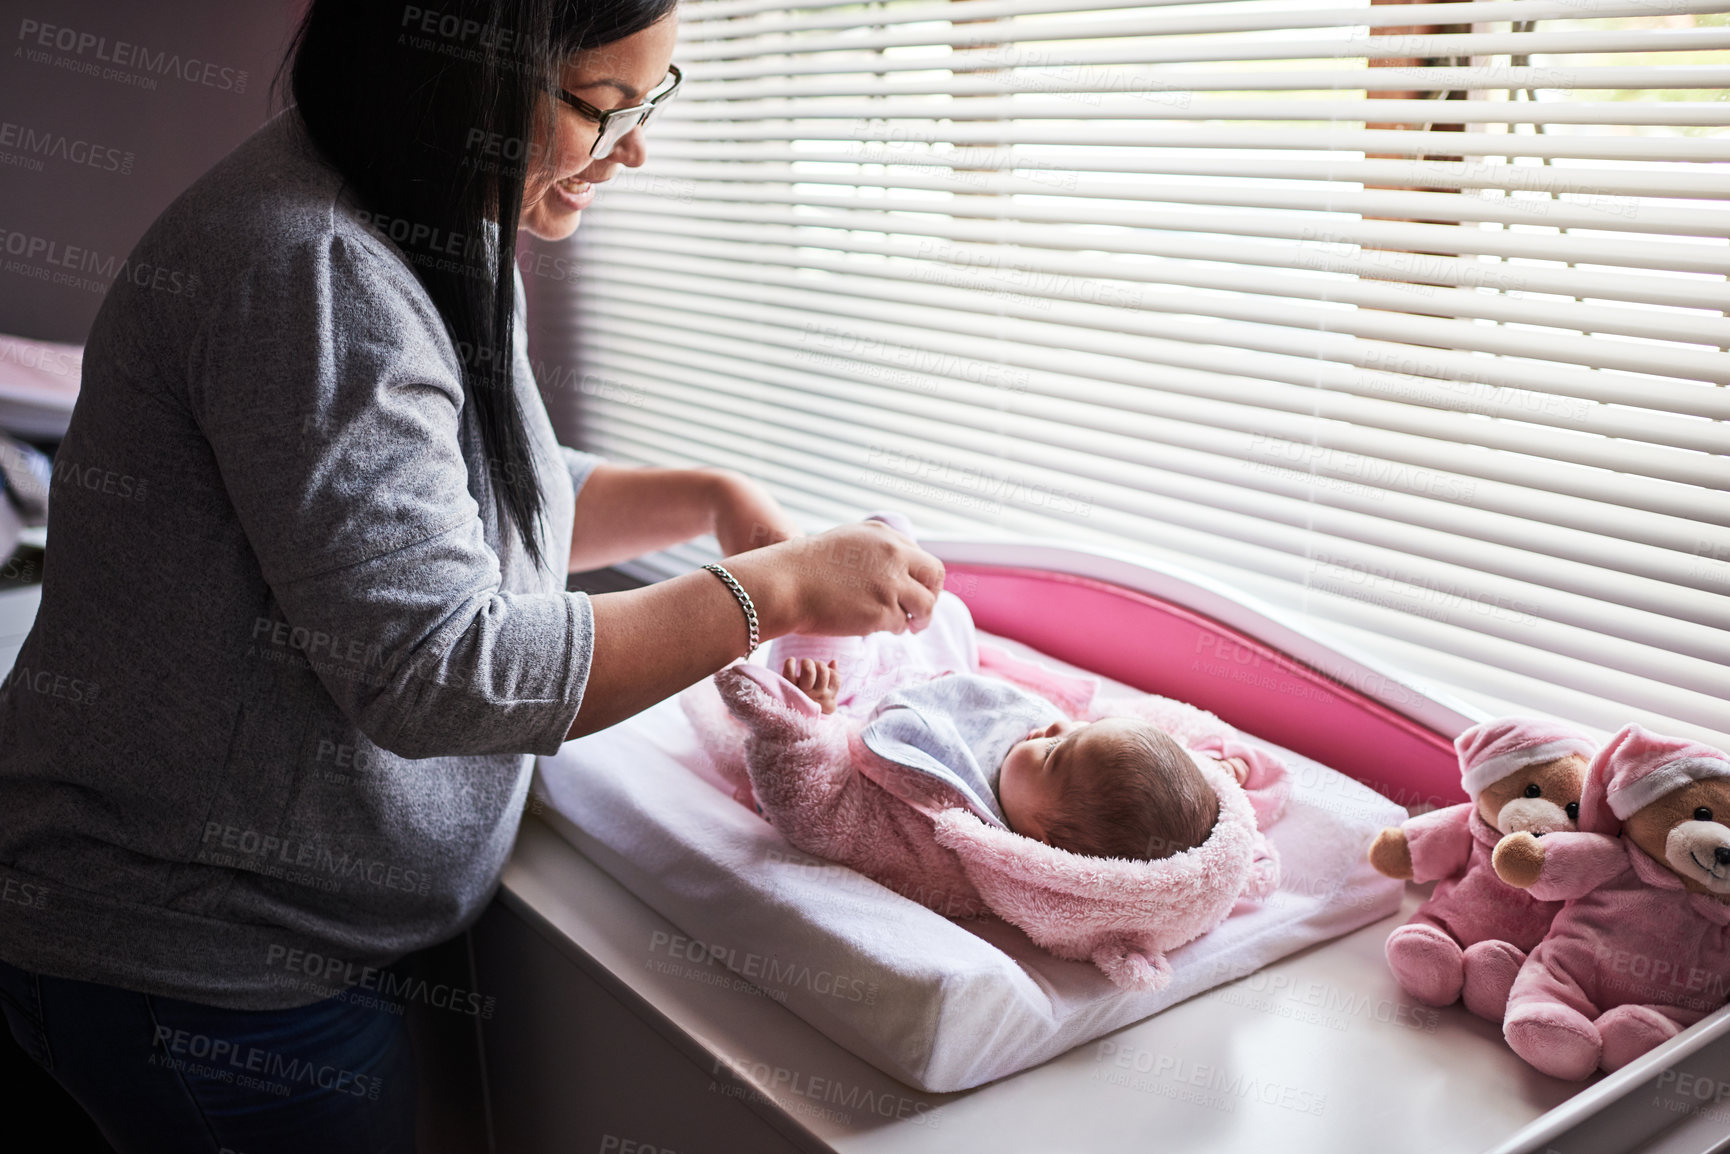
(430,112)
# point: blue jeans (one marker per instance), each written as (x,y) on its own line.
(163,1075)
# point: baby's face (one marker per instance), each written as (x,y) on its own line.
(1050,763)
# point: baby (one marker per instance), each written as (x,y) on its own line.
(1113,787)
(972,781)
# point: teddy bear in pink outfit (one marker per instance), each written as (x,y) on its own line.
(1474,932)
(1641,950)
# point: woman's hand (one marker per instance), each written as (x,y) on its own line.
(654,641)
(855,579)
(747,516)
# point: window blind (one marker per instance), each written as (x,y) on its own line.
(1408,318)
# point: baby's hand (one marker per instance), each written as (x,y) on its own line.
(1238,769)
(818,682)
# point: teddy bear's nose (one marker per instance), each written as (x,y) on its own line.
(1722,855)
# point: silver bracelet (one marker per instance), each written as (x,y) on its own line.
(744,602)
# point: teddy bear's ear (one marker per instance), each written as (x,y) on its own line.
(1132,964)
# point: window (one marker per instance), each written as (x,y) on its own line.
(1227,285)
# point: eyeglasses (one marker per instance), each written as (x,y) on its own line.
(615,122)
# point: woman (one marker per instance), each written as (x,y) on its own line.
(280,697)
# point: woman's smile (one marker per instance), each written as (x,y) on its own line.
(574,193)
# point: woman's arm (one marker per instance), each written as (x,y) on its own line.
(650,643)
(624,511)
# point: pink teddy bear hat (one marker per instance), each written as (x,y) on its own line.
(1496,750)
(1649,766)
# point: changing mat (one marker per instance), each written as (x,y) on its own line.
(941,1004)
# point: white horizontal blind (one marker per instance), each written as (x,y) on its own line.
(1411,318)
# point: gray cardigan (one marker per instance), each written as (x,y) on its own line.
(272,727)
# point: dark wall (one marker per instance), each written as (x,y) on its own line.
(138,146)
(128,103)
